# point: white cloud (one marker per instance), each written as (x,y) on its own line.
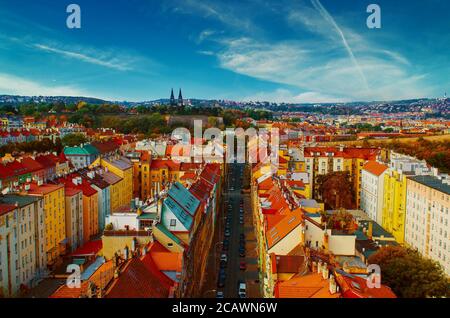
(324,65)
(92,57)
(283,95)
(14,85)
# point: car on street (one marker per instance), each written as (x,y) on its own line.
(227,233)
(242,252)
(242,290)
(219,294)
(242,266)
(242,237)
(223,258)
(241,220)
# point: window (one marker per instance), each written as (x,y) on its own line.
(173,222)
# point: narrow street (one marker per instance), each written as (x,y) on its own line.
(238,268)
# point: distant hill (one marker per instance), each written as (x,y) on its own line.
(16,99)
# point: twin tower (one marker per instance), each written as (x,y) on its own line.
(173,101)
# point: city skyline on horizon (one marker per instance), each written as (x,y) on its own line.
(311,52)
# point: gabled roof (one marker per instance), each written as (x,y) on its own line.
(375,168)
(283,227)
(139,281)
(122,163)
(164,164)
(353,286)
(308,286)
(184,198)
(85,150)
(182,215)
(5,208)
(32,164)
(105,146)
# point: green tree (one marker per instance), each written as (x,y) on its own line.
(409,274)
(72,140)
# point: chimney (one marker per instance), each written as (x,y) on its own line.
(332,285)
(370,231)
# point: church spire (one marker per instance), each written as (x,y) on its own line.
(180,98)
(172,98)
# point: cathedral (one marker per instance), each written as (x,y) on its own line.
(179,101)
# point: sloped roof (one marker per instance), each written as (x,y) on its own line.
(32,164)
(308,286)
(374,168)
(139,281)
(184,198)
(283,227)
(181,214)
(105,146)
(85,150)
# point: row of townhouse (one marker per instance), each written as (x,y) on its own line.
(41,167)
(74,208)
(180,219)
(412,202)
(299,257)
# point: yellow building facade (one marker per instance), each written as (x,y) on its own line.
(394,204)
(55,218)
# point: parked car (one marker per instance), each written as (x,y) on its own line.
(224,258)
(219,294)
(242,266)
(227,233)
(242,290)
(242,236)
(242,252)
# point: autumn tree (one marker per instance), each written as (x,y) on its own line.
(336,191)
(341,220)
(409,274)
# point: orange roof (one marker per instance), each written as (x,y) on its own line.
(375,168)
(44,189)
(163,163)
(308,286)
(267,184)
(283,227)
(164,259)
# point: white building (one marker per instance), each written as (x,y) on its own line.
(372,189)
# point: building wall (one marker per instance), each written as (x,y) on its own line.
(74,220)
(372,190)
(20,244)
(116,244)
(427,227)
(341,244)
(394,204)
(90,217)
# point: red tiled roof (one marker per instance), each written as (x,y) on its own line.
(46,161)
(162,164)
(139,280)
(6,172)
(32,164)
(375,168)
(105,147)
(356,287)
(5,208)
(89,248)
(308,286)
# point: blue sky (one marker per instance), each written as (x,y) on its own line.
(285,50)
